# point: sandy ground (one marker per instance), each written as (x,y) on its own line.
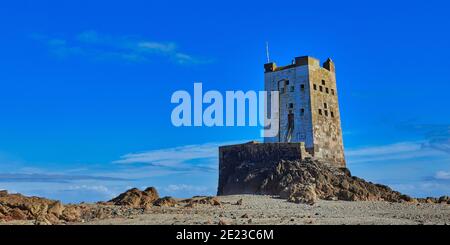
(268,210)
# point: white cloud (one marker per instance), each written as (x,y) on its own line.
(184,187)
(160,47)
(184,190)
(97,188)
(442,175)
(52,178)
(423,188)
(188,156)
(397,151)
(385,149)
(101,46)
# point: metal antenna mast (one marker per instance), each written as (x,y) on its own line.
(267,52)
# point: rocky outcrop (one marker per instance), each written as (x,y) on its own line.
(191,202)
(165,202)
(19,207)
(305,181)
(244,158)
(43,211)
(136,198)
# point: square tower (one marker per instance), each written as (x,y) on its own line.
(309,108)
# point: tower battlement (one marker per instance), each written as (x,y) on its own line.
(300,61)
(309,108)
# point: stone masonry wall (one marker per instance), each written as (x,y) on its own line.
(309,92)
(328,144)
(241,160)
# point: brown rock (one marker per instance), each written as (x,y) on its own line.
(165,202)
(17,206)
(190,205)
(444,199)
(17,214)
(136,199)
(3,193)
(214,201)
(3,209)
(223,222)
(71,214)
(239,202)
(306,195)
(245,216)
(151,191)
(303,181)
(42,221)
(204,200)
(55,209)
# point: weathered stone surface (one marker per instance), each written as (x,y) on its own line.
(136,198)
(308,107)
(214,201)
(444,199)
(304,182)
(72,213)
(3,193)
(239,202)
(245,160)
(19,207)
(307,194)
(44,211)
(165,202)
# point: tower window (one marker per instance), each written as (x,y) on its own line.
(332,91)
(302,87)
(291,105)
(325,105)
(321,89)
(292,88)
(302,112)
(287,82)
(320,111)
(315,87)
(323,82)
(326,112)
(332,114)
(326,90)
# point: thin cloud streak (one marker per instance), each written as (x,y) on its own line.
(397,151)
(442,175)
(99,46)
(199,157)
(53,178)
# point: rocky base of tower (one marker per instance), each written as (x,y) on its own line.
(303,179)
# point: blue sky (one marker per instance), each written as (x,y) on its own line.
(85,89)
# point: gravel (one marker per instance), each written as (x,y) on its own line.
(262,210)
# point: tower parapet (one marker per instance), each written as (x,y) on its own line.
(329,65)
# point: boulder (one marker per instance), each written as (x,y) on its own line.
(444,199)
(239,202)
(214,201)
(306,195)
(18,214)
(3,193)
(136,198)
(72,213)
(165,202)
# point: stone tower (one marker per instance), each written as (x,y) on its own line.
(309,108)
